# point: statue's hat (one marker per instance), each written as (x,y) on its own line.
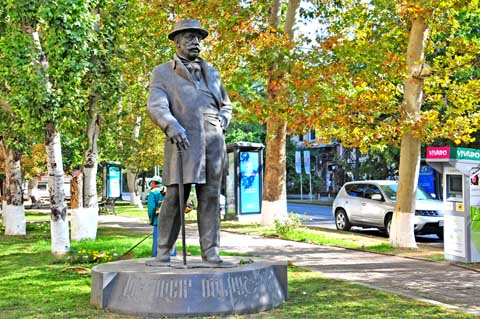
(187,25)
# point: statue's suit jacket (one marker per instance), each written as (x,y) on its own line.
(172,101)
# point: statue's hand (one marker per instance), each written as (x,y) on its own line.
(223,123)
(182,142)
(178,136)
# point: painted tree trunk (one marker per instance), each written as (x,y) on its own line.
(77,210)
(135,198)
(13,209)
(85,219)
(58,207)
(274,202)
(402,232)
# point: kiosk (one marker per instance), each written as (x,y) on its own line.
(112,186)
(244,182)
(460,169)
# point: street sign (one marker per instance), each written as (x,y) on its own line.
(306,161)
(298,162)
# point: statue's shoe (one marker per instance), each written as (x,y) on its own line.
(217,262)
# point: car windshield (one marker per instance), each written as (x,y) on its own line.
(390,191)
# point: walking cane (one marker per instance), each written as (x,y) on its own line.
(181,195)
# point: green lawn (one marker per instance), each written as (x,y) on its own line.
(34,284)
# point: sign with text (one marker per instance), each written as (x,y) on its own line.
(469,154)
(446,153)
(438,152)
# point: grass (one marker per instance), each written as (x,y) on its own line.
(36,285)
(131,211)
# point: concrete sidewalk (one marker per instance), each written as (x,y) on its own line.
(435,282)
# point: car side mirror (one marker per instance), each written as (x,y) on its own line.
(376,197)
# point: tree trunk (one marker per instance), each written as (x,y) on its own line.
(33,191)
(58,217)
(85,218)
(135,198)
(402,233)
(274,202)
(13,209)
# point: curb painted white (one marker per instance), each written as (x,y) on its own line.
(84,223)
(14,220)
(273,210)
(59,235)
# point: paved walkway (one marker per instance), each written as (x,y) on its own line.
(434,282)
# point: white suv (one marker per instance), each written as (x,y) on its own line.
(371,204)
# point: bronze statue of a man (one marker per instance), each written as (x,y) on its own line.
(188,102)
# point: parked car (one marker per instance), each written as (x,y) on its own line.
(42,193)
(371,204)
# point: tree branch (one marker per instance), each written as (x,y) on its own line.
(5,106)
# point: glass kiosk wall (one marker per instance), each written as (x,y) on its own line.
(112,180)
(460,168)
(244,182)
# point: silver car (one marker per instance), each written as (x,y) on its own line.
(371,204)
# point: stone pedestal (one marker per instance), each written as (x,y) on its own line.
(131,287)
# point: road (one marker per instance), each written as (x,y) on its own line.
(313,214)
(316,215)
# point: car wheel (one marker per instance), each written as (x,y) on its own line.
(341,220)
(388,225)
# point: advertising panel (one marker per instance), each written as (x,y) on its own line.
(426,179)
(114,176)
(250,200)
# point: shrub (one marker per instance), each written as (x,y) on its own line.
(287,225)
(87,256)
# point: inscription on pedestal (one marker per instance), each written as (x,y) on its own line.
(172,289)
(236,285)
(134,289)
(167,289)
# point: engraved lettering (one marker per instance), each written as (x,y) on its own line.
(213,288)
(172,289)
(129,290)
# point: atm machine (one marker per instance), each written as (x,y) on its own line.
(460,169)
